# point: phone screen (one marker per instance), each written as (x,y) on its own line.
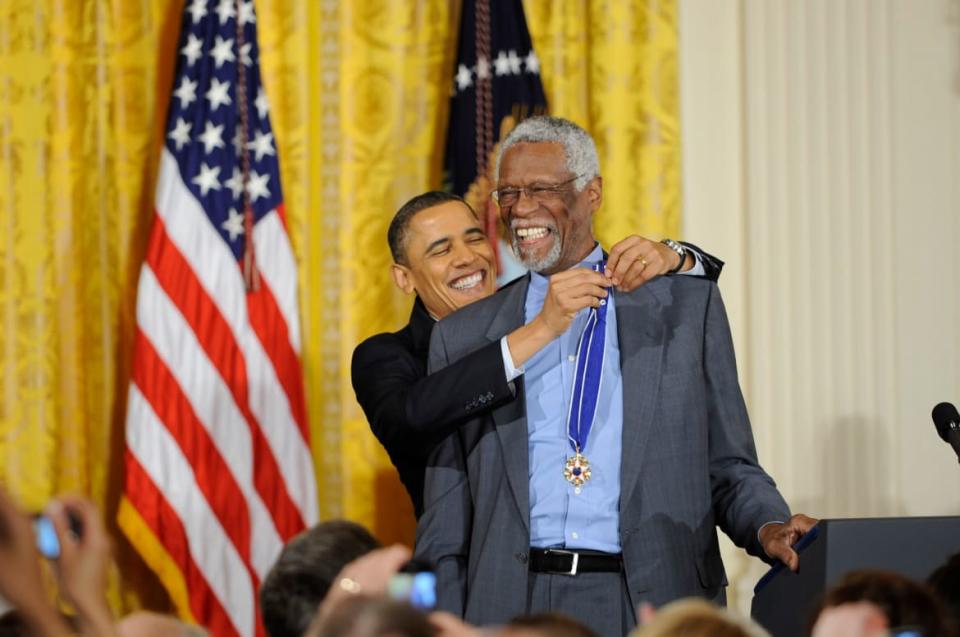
(47,542)
(419,589)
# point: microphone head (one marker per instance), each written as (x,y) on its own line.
(945,417)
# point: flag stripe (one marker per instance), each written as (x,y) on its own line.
(216,338)
(229,489)
(163,522)
(239,440)
(221,571)
(280,270)
(189,229)
(161,391)
(269,326)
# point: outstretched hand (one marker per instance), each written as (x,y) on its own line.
(367,575)
(778,539)
(635,260)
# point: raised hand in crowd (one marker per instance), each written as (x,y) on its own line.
(85,556)
(367,575)
(21,580)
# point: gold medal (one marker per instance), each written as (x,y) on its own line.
(577,470)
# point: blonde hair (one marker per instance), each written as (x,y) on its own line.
(698,618)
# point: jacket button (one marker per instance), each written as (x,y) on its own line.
(521,557)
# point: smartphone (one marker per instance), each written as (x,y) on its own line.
(416,584)
(47,542)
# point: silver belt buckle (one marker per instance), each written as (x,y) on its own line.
(575,562)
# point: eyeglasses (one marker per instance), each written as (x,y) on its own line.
(538,192)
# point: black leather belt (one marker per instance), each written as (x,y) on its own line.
(568,562)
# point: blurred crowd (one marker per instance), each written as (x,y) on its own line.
(336,580)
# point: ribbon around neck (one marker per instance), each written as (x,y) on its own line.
(589,370)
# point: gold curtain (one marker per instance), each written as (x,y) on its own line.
(358,95)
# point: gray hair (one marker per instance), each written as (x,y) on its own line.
(579,147)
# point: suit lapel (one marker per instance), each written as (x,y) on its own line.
(510,420)
(641,333)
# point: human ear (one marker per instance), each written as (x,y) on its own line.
(595,192)
(402,278)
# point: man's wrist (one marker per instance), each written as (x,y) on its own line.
(680,251)
(760,534)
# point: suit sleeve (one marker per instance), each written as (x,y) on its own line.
(744,495)
(397,399)
(443,531)
(711,264)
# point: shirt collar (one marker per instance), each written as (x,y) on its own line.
(542,281)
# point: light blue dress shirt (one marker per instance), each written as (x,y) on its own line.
(560,517)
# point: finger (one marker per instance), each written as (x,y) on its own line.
(782,551)
(635,256)
(577,293)
(565,279)
(617,251)
(83,512)
(57,514)
(580,287)
(803,523)
(635,277)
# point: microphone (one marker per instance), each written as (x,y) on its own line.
(947,420)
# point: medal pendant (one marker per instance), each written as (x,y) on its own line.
(577,470)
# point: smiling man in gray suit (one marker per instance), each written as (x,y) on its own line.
(602,484)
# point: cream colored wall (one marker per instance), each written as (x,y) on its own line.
(821,143)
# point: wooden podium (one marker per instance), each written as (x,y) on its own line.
(783,601)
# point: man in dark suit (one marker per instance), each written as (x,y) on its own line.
(442,255)
(602,484)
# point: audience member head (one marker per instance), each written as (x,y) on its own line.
(945,582)
(304,572)
(545,625)
(441,252)
(147,624)
(698,618)
(902,601)
(372,616)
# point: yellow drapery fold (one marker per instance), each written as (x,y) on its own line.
(358,95)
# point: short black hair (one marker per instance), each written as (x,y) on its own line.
(397,233)
(945,582)
(303,573)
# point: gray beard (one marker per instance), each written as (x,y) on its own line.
(548,261)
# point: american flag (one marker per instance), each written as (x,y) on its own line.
(218,467)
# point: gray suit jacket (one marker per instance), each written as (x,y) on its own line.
(689,463)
